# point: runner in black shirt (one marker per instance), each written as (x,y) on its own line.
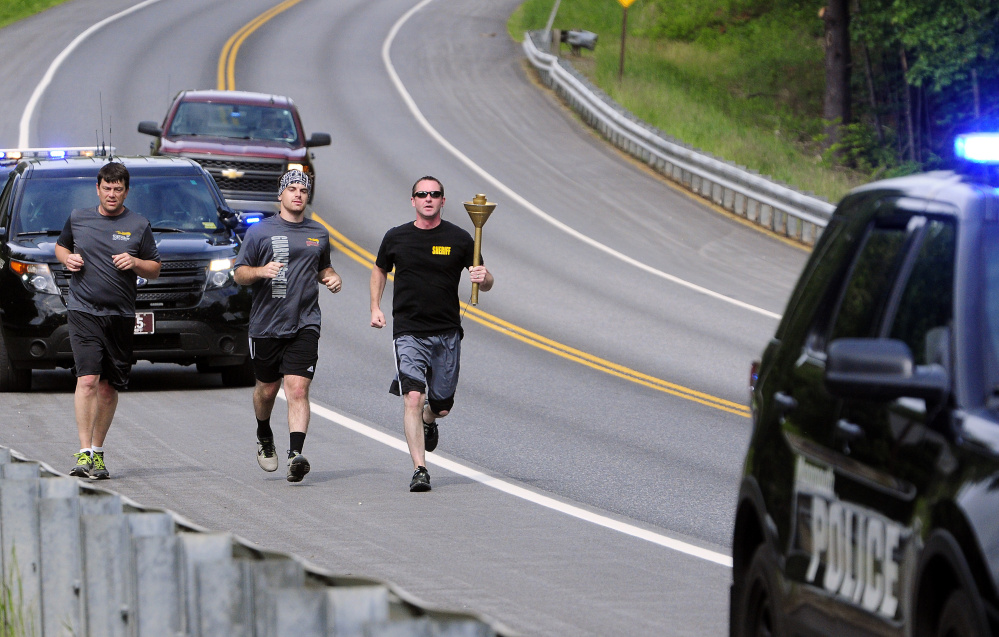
(428,256)
(106,248)
(282,258)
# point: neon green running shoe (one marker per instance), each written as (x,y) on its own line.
(99,470)
(83,465)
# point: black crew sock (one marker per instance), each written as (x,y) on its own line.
(264,429)
(297,440)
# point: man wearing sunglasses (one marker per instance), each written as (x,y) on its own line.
(428,256)
(283,258)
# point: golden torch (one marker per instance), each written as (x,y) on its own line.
(479,210)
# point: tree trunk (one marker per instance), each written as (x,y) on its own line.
(836,104)
(907,104)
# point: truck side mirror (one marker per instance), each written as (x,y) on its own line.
(150,128)
(319,139)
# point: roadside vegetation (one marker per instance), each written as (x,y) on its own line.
(745,80)
(14,10)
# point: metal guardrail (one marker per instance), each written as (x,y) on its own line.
(83,561)
(777,207)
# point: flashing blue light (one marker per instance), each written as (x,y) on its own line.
(3,155)
(57,154)
(250,220)
(981,148)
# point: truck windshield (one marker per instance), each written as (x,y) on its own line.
(178,203)
(237,121)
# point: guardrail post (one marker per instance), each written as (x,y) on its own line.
(62,560)
(158,575)
(350,609)
(108,600)
(217,600)
(19,495)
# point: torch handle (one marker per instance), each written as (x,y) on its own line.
(476,260)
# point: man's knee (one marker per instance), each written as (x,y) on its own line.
(441,406)
(296,388)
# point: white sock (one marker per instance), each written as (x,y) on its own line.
(97,449)
(87,451)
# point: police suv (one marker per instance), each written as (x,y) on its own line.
(194,313)
(869,503)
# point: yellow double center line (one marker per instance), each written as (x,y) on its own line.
(227,61)
(365,258)
(227,81)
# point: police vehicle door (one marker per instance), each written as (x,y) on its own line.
(862,492)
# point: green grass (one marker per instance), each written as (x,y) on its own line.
(14,10)
(737,81)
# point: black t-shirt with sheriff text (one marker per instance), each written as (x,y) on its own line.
(428,266)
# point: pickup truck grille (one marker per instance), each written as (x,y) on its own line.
(259,176)
(181,285)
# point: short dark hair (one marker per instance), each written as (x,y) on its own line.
(113,172)
(426,178)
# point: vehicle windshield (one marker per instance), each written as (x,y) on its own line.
(178,203)
(237,121)
(990,280)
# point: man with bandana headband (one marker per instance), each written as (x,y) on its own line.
(283,258)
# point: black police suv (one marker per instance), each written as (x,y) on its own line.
(194,313)
(869,502)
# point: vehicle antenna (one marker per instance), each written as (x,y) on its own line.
(104,149)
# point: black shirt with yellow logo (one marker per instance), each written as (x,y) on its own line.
(428,266)
(100,288)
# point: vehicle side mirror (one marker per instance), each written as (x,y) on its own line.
(881,369)
(3,232)
(229,218)
(319,139)
(150,128)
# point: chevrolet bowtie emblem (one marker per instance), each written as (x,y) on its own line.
(232,173)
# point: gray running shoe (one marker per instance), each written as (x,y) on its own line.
(83,465)
(421,480)
(298,466)
(266,455)
(99,470)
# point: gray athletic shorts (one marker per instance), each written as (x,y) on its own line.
(429,364)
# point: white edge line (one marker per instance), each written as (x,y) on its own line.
(414,109)
(522,493)
(29,110)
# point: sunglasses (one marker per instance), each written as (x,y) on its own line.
(423,194)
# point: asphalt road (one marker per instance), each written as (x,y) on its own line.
(613,451)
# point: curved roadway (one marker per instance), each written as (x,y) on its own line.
(658,460)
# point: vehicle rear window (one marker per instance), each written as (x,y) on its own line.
(168,202)
(237,121)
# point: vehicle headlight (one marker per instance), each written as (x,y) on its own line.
(219,273)
(296,167)
(37,277)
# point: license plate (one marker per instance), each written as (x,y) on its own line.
(145,323)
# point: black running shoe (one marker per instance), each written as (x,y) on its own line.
(421,480)
(430,436)
(298,466)
(84,463)
(99,471)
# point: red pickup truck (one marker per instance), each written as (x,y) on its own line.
(247,141)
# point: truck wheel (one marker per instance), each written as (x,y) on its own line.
(239,375)
(756,611)
(12,379)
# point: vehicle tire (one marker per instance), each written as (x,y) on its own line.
(239,375)
(958,617)
(756,605)
(11,378)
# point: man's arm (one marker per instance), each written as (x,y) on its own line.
(330,279)
(377,286)
(248,274)
(73,262)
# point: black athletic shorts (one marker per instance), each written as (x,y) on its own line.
(102,346)
(296,355)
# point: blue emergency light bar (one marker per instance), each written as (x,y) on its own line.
(980,148)
(14,155)
(252,219)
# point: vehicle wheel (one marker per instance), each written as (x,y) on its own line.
(12,379)
(239,375)
(958,617)
(756,604)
